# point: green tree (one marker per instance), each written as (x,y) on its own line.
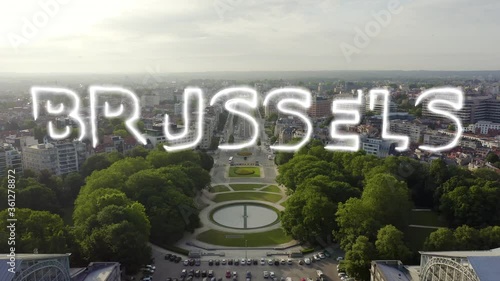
(309,214)
(492,157)
(95,163)
(389,200)
(390,244)
(358,259)
(108,226)
(35,230)
(206,161)
(38,197)
(138,151)
(441,240)
(467,238)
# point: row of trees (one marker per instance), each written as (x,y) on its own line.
(161,185)
(124,202)
(362,200)
(463,238)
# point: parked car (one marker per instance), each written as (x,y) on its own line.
(230,262)
(255,262)
(210,273)
(197,262)
(326,253)
(178,259)
(243,261)
(191,272)
(340,258)
(172,257)
(276,262)
(197,273)
(228,274)
(262,261)
(236,262)
(270,262)
(223,262)
(283,261)
(249,261)
(249,274)
(266,274)
(289,261)
(307,261)
(301,262)
(203,273)
(271,274)
(185,262)
(210,262)
(321,255)
(217,262)
(167,256)
(183,273)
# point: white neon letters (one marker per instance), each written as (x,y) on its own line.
(456,101)
(36,92)
(130,124)
(346,111)
(231,106)
(304,102)
(198,93)
(385,118)
(337,109)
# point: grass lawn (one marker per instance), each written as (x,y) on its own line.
(219,188)
(416,237)
(247,196)
(244,172)
(272,188)
(283,203)
(428,218)
(272,237)
(244,186)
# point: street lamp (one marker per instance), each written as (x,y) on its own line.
(246,249)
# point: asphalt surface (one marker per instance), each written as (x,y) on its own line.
(166,269)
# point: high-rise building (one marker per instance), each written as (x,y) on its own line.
(320,107)
(475,108)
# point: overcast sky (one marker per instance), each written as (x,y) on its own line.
(247,35)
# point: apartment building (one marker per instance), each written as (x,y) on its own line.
(10,158)
(484,128)
(320,107)
(476,108)
(379,105)
(378,147)
(407,128)
(57,157)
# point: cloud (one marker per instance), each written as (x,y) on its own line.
(190,35)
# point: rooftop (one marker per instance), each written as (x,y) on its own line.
(465,254)
(486,268)
(34,256)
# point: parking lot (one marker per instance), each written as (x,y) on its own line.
(167,269)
